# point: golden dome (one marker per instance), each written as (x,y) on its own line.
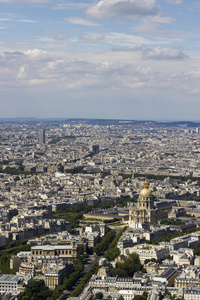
(145,192)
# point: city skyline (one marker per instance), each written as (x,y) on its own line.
(114,59)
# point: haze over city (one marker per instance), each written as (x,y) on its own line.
(133,59)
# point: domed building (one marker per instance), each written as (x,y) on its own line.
(145,211)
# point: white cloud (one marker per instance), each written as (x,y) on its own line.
(128,48)
(154,28)
(81,21)
(157,53)
(160,18)
(196,5)
(164,54)
(21,73)
(26,21)
(71,5)
(45,39)
(37,54)
(120,8)
(60,36)
(13,18)
(113,72)
(5,19)
(93,37)
(126,40)
(176,2)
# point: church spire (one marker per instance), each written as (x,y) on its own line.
(146,184)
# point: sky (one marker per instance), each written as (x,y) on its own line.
(108,59)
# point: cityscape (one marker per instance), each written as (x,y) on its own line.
(99,209)
(99,150)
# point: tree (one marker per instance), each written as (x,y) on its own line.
(197,248)
(112,253)
(127,268)
(36,290)
(148,260)
(141,297)
(105,242)
(80,251)
(84,280)
(118,272)
(46,243)
(99,295)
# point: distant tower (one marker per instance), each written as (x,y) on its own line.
(95,149)
(42,137)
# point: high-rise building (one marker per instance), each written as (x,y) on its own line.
(42,137)
(95,149)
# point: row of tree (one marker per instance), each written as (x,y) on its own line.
(105,242)
(77,291)
(172,222)
(197,249)
(113,252)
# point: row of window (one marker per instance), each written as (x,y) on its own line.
(40,252)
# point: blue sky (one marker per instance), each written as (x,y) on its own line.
(120,59)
